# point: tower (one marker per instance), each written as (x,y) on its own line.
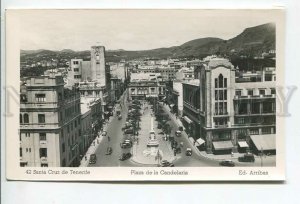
(98,64)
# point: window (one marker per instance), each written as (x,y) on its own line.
(26,118)
(238,92)
(21,152)
(63,163)
(253,131)
(40,97)
(225,82)
(41,118)
(26,149)
(220,81)
(216,95)
(76,69)
(266,131)
(75,62)
(241,120)
(261,92)
(59,96)
(43,136)
(216,83)
(273,91)
(43,152)
(63,147)
(77,76)
(250,92)
(44,165)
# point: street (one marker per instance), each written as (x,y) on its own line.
(115,137)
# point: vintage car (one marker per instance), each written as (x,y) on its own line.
(125,156)
(93,159)
(188,152)
(248,157)
(227,163)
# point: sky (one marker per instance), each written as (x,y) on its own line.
(130,29)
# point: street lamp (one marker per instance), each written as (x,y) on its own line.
(261,157)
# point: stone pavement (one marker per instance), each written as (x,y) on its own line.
(144,155)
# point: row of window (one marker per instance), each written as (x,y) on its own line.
(42,152)
(250,92)
(220,82)
(24,118)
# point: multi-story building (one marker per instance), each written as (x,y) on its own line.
(49,123)
(227,113)
(116,89)
(91,121)
(93,90)
(75,72)
(143,86)
(185,74)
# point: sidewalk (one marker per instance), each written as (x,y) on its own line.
(145,155)
(94,146)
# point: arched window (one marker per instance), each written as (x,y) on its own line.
(220,81)
(26,118)
(21,119)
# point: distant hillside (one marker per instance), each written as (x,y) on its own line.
(252,41)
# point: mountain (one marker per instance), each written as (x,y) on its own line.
(252,41)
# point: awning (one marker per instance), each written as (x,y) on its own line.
(189,121)
(264,142)
(243,144)
(192,139)
(200,141)
(222,145)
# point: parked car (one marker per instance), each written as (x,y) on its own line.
(108,151)
(104,133)
(227,163)
(188,152)
(93,159)
(248,157)
(178,133)
(125,156)
(126,144)
(128,131)
(165,163)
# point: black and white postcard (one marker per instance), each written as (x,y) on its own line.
(145,95)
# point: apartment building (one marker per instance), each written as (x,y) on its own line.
(226,114)
(49,123)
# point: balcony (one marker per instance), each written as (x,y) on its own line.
(43,143)
(40,126)
(221,126)
(237,97)
(225,114)
(44,160)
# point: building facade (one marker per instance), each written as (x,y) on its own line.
(49,123)
(143,86)
(230,115)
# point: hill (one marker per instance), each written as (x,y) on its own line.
(251,42)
